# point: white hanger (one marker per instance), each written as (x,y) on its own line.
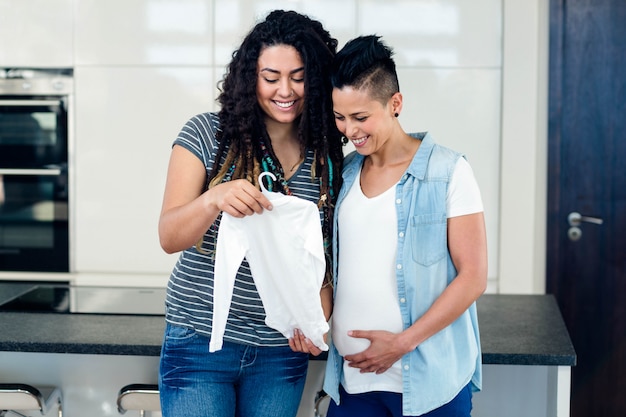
(263,189)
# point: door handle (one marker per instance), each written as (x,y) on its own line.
(575,219)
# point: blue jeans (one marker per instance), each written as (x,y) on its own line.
(389,404)
(236,381)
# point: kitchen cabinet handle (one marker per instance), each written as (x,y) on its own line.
(31,172)
(30,102)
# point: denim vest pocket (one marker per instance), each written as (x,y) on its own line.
(429,243)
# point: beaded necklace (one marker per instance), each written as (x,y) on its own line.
(268,164)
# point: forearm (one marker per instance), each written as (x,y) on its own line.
(183,226)
(454,301)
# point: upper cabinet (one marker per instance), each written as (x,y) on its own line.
(443,33)
(144,32)
(36,33)
(126,121)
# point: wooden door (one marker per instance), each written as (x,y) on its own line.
(587,175)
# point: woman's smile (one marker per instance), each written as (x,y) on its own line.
(285,104)
(359,141)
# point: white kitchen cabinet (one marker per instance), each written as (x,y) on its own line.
(144,32)
(126,121)
(445,33)
(36,33)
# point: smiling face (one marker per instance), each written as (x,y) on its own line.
(365,121)
(280,83)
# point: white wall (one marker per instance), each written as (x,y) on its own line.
(524,139)
(472,73)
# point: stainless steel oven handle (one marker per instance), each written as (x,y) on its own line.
(52,172)
(30,102)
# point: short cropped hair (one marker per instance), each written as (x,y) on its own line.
(366,63)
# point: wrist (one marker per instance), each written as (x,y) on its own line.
(210,203)
(407,341)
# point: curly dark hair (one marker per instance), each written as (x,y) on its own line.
(242,131)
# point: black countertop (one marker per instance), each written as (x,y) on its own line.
(523,330)
(515,330)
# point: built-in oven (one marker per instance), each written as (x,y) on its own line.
(35,120)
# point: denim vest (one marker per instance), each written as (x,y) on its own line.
(436,371)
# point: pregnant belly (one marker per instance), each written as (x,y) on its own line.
(368,319)
(347,345)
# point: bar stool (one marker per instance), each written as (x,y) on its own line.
(321,404)
(141,397)
(25,397)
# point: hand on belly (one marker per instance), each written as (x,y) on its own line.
(348,345)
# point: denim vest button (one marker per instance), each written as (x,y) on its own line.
(399,266)
(401,234)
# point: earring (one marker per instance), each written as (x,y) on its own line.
(396,114)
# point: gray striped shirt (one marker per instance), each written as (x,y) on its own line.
(189,299)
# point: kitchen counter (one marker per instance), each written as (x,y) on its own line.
(515,330)
(100,334)
(523,330)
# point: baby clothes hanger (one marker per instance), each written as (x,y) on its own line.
(263,189)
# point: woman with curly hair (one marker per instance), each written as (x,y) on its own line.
(275,116)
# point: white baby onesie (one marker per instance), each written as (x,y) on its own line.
(285,250)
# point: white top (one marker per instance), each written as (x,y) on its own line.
(285,250)
(366,297)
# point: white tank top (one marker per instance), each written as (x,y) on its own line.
(366,297)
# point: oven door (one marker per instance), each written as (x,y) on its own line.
(33,131)
(34,233)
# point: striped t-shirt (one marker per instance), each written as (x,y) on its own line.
(189,299)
